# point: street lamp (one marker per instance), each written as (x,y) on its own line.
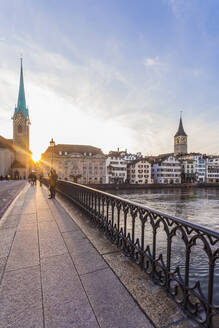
(52,145)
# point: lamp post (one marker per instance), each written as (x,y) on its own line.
(52,145)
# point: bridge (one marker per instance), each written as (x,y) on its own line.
(58,270)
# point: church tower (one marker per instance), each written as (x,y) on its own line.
(180,140)
(21,123)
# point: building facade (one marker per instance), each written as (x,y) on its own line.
(212,169)
(76,163)
(194,166)
(188,170)
(166,169)
(180,140)
(116,167)
(140,172)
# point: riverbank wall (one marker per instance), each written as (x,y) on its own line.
(126,186)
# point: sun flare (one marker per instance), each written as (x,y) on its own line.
(36,157)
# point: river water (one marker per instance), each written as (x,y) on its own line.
(199,206)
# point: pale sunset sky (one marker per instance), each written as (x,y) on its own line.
(112,73)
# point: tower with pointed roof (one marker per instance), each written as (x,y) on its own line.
(180,140)
(21,123)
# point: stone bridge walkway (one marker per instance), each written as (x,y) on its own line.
(51,275)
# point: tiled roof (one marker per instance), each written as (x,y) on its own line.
(6,143)
(80,149)
(162,157)
(148,159)
(116,153)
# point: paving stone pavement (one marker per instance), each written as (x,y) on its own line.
(51,276)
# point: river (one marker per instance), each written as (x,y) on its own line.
(198,205)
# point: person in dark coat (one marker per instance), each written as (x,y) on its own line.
(30,178)
(34,179)
(41,178)
(53,177)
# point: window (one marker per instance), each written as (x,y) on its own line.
(60,153)
(19,129)
(66,153)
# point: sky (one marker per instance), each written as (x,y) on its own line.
(112,73)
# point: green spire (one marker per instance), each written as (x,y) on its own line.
(21,103)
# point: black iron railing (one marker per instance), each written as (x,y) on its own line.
(167,248)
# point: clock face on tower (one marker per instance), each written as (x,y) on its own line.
(183,140)
(180,140)
(177,140)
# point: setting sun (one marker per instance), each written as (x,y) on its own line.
(36,157)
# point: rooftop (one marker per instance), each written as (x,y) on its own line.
(79,149)
(21,103)
(180,131)
(6,143)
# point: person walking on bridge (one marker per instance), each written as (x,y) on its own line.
(53,177)
(41,178)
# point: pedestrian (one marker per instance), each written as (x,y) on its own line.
(30,177)
(53,177)
(34,179)
(41,178)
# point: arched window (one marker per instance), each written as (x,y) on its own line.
(19,129)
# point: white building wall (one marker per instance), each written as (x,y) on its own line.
(212,170)
(116,169)
(198,167)
(140,172)
(167,170)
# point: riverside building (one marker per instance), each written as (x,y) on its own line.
(188,170)
(212,169)
(140,172)
(166,169)
(194,166)
(116,167)
(77,163)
